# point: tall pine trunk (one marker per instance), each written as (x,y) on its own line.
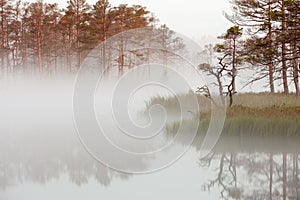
(271,76)
(283,51)
(78,34)
(234,71)
(295,64)
(39,46)
(2,50)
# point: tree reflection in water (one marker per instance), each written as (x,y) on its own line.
(243,166)
(44,157)
(254,175)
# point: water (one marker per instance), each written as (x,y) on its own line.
(41,157)
(49,167)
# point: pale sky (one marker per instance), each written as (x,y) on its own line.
(194,18)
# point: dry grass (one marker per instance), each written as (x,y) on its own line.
(252,104)
(272,111)
(261,100)
(251,114)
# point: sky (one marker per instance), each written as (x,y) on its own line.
(198,19)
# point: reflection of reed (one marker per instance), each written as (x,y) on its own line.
(41,158)
(250,134)
(255,158)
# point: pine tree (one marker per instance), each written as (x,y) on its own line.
(259,18)
(293,39)
(5,14)
(15,31)
(283,48)
(33,19)
(101,20)
(51,38)
(127,18)
(77,16)
(273,28)
(229,49)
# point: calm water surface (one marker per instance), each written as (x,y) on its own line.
(42,158)
(55,166)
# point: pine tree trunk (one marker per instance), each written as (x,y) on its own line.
(271,76)
(69,61)
(39,47)
(121,46)
(78,51)
(296,77)
(25,63)
(2,50)
(78,34)
(295,64)
(234,66)
(121,58)
(283,51)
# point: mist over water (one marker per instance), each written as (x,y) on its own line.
(40,145)
(42,156)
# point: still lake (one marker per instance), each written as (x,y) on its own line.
(56,166)
(41,157)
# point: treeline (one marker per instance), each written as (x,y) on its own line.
(41,37)
(265,38)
